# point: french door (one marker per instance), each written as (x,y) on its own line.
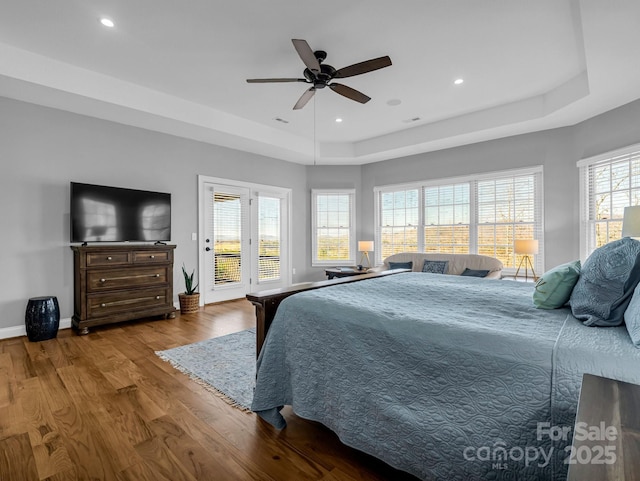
(244,239)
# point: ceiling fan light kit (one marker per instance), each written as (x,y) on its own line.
(321,75)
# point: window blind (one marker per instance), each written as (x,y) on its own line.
(333,227)
(447,218)
(228,213)
(609,183)
(269,238)
(399,213)
(484,214)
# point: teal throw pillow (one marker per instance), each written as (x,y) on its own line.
(554,287)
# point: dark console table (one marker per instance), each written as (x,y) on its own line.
(344,272)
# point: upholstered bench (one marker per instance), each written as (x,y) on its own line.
(456,263)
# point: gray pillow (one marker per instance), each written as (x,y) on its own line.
(607,281)
(401,265)
(632,317)
(435,267)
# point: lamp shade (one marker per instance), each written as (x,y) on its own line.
(365,246)
(526,246)
(631,222)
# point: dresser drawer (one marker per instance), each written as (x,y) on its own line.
(99,305)
(146,257)
(106,279)
(97,259)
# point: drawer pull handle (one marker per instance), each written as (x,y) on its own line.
(141,276)
(152,257)
(109,258)
(130,302)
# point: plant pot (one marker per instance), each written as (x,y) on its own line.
(189,302)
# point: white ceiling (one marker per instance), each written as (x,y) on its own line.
(180,67)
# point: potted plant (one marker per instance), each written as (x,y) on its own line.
(190,298)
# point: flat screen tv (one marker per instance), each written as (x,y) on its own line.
(113,214)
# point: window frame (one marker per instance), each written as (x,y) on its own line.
(588,241)
(472,180)
(351,261)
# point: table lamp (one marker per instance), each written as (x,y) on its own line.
(527,248)
(631,222)
(365,247)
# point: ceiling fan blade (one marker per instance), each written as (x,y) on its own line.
(306,54)
(350,93)
(363,67)
(302,101)
(272,80)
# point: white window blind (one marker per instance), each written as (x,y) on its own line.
(610,182)
(509,208)
(229,211)
(333,218)
(269,238)
(399,213)
(447,218)
(484,214)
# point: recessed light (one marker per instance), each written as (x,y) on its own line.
(338,120)
(107,22)
(394,102)
(458,81)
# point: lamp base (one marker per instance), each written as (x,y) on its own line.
(365,255)
(526,260)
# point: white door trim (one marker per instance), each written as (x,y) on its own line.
(253,187)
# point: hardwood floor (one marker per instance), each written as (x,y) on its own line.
(105,407)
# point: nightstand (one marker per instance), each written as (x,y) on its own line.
(607,448)
(344,272)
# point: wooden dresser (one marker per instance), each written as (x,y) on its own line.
(121,282)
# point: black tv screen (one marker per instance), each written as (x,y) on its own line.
(114,214)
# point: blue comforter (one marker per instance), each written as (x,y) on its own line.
(445,377)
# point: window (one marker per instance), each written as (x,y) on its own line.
(506,212)
(333,217)
(446,218)
(610,182)
(480,215)
(399,229)
(269,237)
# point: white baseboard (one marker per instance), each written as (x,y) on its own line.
(17,331)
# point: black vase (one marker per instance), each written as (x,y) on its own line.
(42,318)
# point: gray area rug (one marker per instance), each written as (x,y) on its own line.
(224,365)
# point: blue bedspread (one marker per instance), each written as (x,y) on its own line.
(445,377)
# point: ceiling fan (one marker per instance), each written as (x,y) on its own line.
(320,74)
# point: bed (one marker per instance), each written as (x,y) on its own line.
(444,377)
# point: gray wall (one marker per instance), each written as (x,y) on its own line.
(42,149)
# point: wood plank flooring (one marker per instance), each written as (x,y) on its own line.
(105,407)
